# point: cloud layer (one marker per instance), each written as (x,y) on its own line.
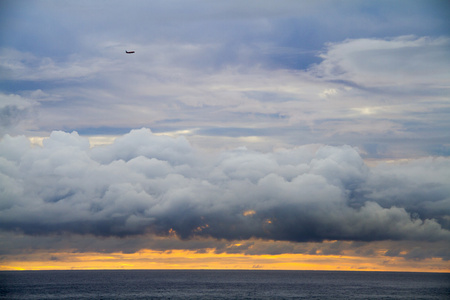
(144,183)
(309,88)
(387,96)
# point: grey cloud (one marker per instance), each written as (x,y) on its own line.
(29,67)
(418,186)
(10,115)
(14,110)
(14,243)
(144,184)
(419,252)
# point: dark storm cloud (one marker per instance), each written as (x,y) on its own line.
(144,183)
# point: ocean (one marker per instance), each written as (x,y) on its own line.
(220,284)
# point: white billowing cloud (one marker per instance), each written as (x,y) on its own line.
(162,148)
(405,60)
(143,183)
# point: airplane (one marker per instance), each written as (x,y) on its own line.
(129,52)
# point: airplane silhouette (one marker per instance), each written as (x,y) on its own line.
(129,52)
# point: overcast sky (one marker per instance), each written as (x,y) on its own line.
(290,122)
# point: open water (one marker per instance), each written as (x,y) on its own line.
(218,284)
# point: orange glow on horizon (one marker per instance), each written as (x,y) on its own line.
(183,259)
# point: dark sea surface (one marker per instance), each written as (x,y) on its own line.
(206,284)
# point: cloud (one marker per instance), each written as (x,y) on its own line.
(147,184)
(217,76)
(416,185)
(27,66)
(15,110)
(385,99)
(395,62)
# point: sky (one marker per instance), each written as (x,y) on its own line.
(310,135)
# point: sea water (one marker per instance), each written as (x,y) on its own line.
(219,284)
